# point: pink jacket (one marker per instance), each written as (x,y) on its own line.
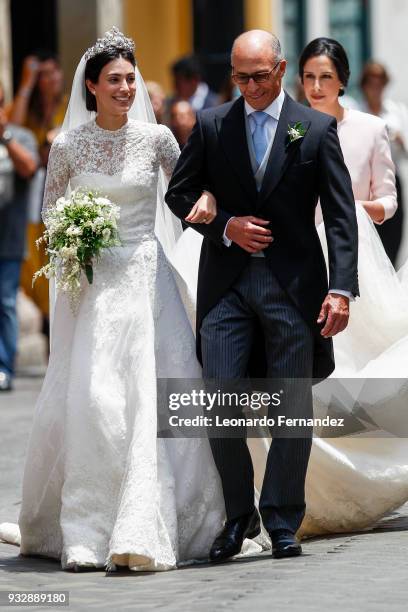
(366,149)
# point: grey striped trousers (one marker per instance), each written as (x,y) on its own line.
(227,333)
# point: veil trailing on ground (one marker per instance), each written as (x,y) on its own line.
(168,228)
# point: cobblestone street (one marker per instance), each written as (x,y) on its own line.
(362,571)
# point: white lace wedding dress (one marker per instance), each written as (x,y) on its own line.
(99,488)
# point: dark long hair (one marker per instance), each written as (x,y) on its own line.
(334,50)
(94,67)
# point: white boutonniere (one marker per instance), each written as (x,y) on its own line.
(296,131)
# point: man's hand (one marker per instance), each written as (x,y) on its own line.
(335,313)
(249,233)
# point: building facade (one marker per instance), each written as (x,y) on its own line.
(165,29)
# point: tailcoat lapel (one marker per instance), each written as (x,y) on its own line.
(282,150)
(232,134)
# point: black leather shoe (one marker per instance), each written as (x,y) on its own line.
(78,568)
(230,540)
(284,544)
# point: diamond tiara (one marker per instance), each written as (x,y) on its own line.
(112,40)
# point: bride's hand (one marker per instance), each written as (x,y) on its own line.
(375,210)
(204,210)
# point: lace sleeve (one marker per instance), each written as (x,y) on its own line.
(168,150)
(57,175)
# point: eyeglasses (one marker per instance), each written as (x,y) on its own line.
(257,77)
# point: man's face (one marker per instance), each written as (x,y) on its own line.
(374,87)
(185,87)
(182,119)
(259,62)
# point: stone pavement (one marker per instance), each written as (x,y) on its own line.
(347,573)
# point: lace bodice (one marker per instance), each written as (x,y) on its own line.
(122,165)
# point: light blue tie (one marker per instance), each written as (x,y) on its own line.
(259,135)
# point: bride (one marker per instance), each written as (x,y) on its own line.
(98,488)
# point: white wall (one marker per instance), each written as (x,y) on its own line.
(317,19)
(277,20)
(77,30)
(389,22)
(109,13)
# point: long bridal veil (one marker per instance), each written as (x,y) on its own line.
(353,480)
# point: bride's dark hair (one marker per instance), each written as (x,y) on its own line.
(334,50)
(94,66)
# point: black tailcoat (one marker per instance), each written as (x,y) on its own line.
(298,174)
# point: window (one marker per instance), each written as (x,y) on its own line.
(349,24)
(216,24)
(294,18)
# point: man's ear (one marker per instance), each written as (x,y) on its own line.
(282,67)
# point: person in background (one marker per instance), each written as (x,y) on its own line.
(229,91)
(371,470)
(182,120)
(18,163)
(189,85)
(39,105)
(324,71)
(158,99)
(374,80)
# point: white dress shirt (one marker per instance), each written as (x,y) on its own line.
(273,110)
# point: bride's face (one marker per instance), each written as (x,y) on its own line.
(321,82)
(116,87)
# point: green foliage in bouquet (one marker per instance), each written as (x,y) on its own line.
(79,228)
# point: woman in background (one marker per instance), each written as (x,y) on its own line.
(354,480)
(40,106)
(374,80)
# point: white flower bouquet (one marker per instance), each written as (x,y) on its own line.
(78,229)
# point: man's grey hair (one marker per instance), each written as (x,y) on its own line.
(275,46)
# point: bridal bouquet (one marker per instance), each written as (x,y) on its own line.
(78,229)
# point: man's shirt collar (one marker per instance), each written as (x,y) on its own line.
(274,109)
